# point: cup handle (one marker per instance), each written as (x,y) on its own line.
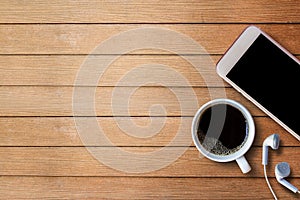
(243,164)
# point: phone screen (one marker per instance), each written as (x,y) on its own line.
(272,78)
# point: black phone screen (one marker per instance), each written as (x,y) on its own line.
(272,78)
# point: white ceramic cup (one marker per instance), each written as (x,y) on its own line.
(239,154)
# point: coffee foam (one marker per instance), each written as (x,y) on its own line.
(216,147)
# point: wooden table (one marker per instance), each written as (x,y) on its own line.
(43,45)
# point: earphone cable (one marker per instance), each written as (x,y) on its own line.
(269,185)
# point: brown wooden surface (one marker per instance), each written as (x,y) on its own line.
(60,70)
(76,161)
(82,39)
(138,188)
(61,131)
(44,43)
(178,11)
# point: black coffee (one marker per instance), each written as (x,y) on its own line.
(222,129)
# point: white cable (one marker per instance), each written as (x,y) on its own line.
(269,185)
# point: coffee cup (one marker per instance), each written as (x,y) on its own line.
(223,130)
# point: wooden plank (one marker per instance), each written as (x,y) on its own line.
(62,70)
(140,188)
(57,101)
(178,11)
(77,161)
(82,39)
(61,131)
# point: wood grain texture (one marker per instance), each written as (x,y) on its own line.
(178,11)
(57,101)
(77,161)
(139,188)
(61,131)
(82,38)
(44,43)
(61,70)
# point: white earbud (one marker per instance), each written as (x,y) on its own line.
(273,142)
(282,170)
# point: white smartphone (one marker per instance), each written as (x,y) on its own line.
(267,74)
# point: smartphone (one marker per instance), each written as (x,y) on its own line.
(266,74)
